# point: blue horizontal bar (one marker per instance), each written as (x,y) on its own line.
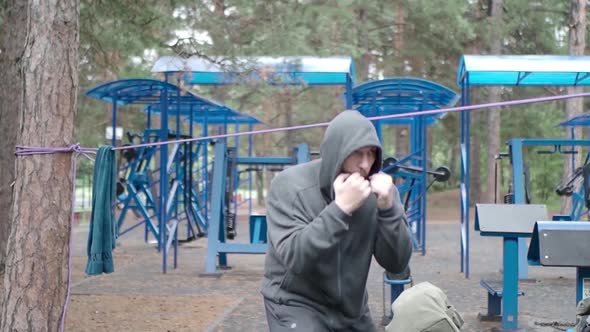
(272,78)
(551,141)
(242,248)
(266,160)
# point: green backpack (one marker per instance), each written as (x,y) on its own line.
(424,308)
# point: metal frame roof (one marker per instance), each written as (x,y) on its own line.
(398,95)
(582,120)
(219,115)
(146,91)
(274,70)
(524,70)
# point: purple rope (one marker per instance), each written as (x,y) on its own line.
(77,150)
(381,117)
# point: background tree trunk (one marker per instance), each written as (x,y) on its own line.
(38,245)
(401,141)
(573,107)
(10,99)
(493,114)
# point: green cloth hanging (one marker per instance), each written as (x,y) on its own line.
(101,238)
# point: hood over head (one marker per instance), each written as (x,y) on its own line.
(347,132)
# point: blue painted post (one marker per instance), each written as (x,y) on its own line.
(302,153)
(114,124)
(190,169)
(465,146)
(581,274)
(415,194)
(163,177)
(205,168)
(573,156)
(423,180)
(236,175)
(217,198)
(348,92)
(510,284)
(378,129)
(149,117)
(519,198)
(250,143)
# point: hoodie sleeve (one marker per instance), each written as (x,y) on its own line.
(298,241)
(393,246)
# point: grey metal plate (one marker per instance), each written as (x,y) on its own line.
(564,247)
(508,218)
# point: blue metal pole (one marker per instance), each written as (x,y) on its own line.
(424,155)
(217,198)
(236,188)
(190,176)
(114,124)
(250,143)
(163,177)
(415,194)
(348,92)
(573,135)
(205,168)
(149,117)
(464,149)
(582,273)
(510,284)
(519,198)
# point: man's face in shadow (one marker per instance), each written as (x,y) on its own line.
(360,161)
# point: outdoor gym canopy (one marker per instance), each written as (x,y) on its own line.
(211,115)
(530,70)
(285,70)
(400,95)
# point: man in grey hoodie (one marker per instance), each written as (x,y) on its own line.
(326,220)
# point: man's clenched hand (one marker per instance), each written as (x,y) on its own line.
(381,186)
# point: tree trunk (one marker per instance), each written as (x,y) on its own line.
(493,114)
(287,96)
(573,107)
(37,252)
(10,99)
(401,141)
(363,45)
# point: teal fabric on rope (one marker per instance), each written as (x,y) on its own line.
(101,238)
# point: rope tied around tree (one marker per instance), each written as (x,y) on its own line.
(101,238)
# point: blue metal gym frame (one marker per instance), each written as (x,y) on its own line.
(312,71)
(399,95)
(166,96)
(214,114)
(511,245)
(582,120)
(508,70)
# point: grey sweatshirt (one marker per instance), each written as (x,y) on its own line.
(318,256)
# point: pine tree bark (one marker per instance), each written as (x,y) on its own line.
(573,107)
(10,99)
(38,245)
(493,114)
(401,140)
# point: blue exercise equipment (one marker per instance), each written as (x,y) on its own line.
(161,209)
(219,228)
(400,95)
(507,70)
